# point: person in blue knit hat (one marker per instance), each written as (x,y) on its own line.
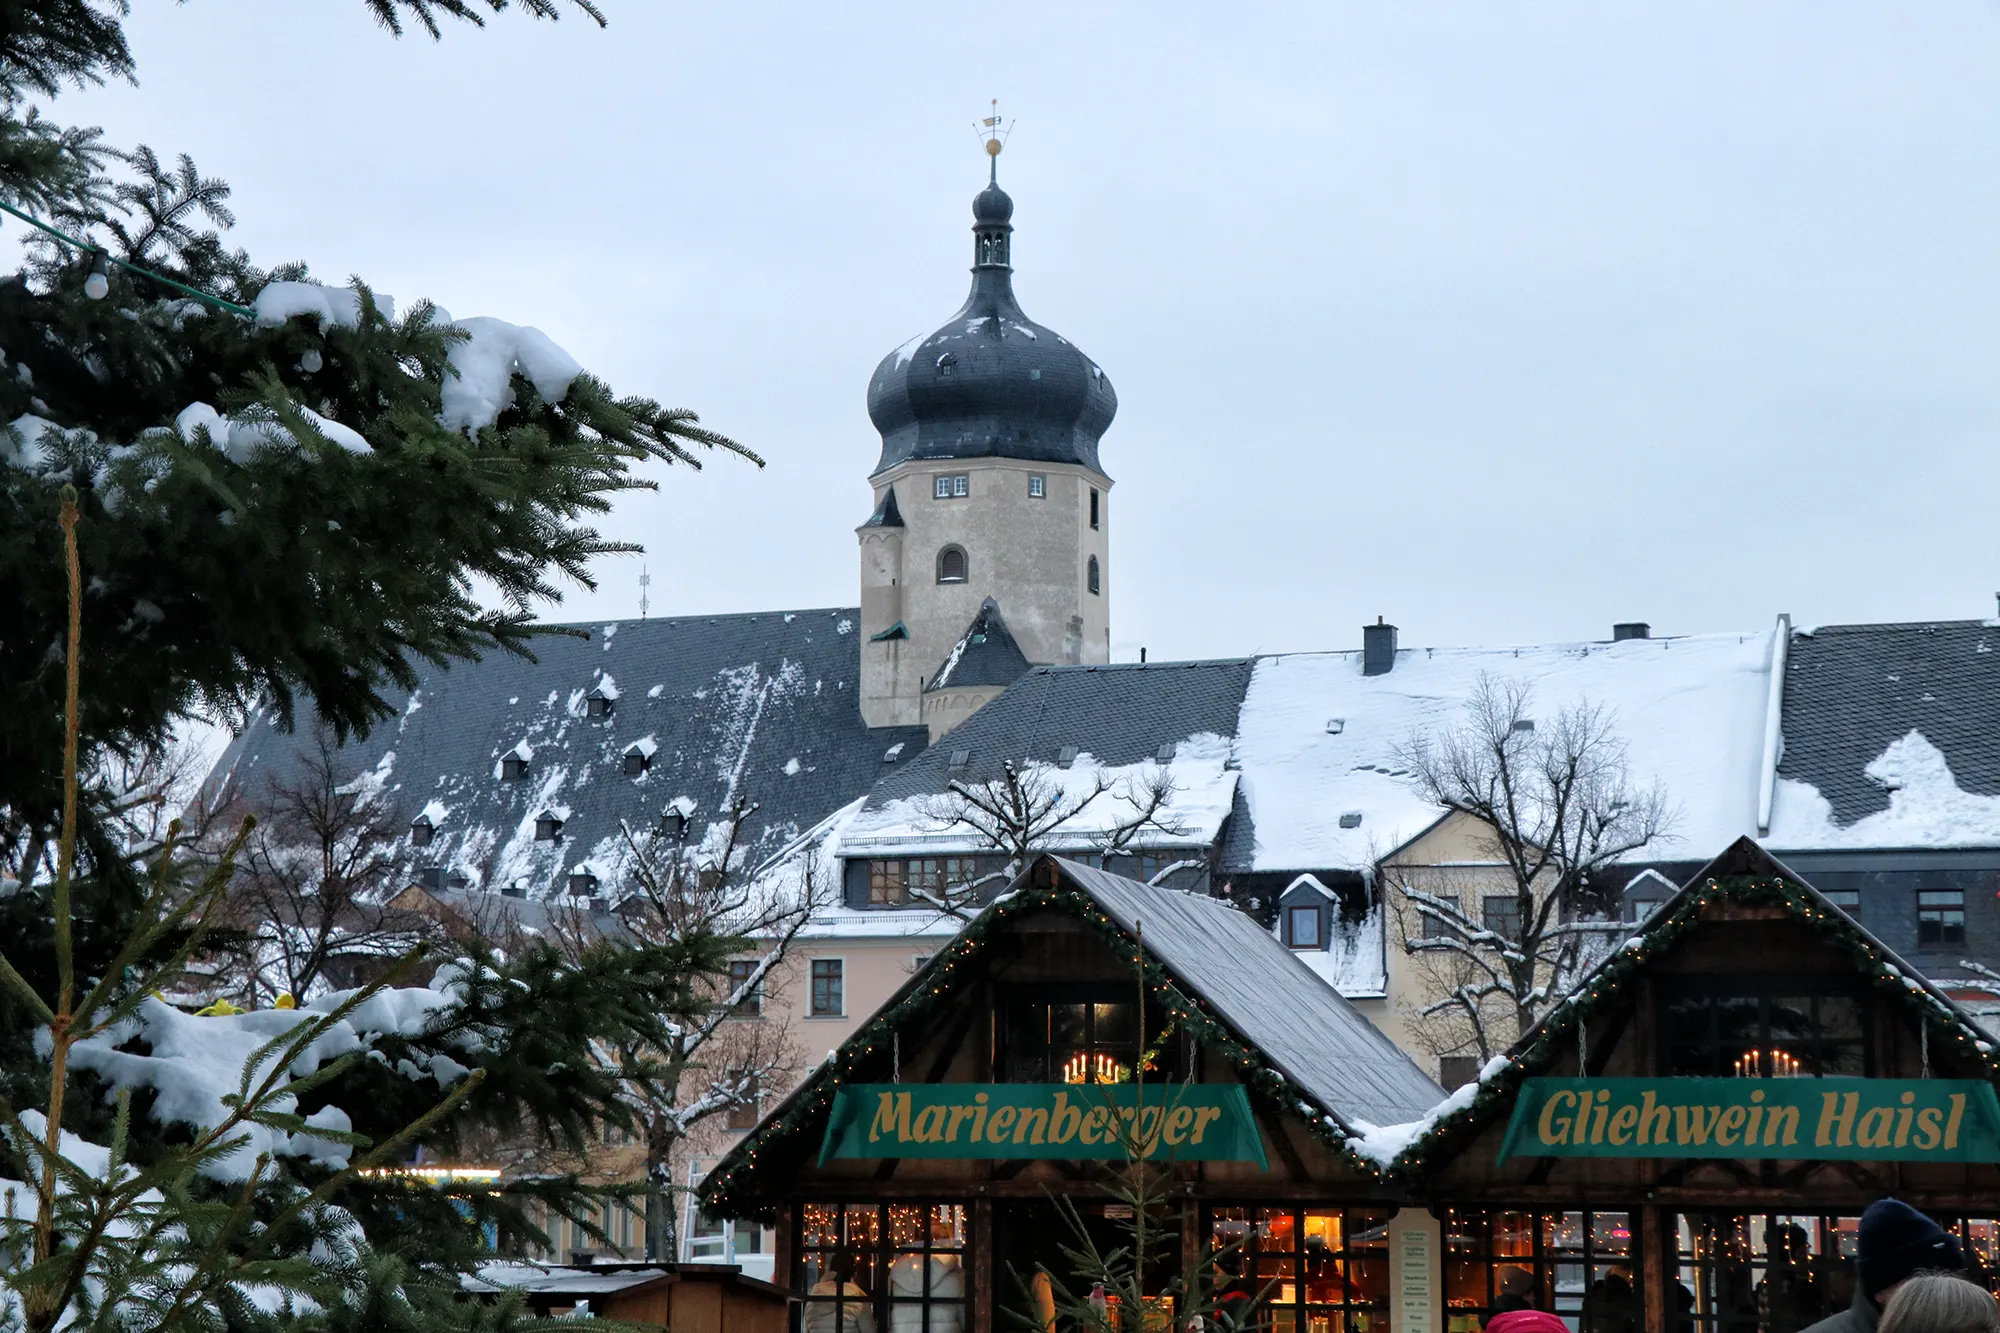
(1897,1242)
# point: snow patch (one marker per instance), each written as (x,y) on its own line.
(339,306)
(1927,807)
(484,365)
(1383,1144)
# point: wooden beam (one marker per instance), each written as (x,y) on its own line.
(1287,1151)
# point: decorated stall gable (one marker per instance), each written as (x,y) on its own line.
(1862,1119)
(1196,1122)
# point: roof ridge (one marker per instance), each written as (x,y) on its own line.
(701,616)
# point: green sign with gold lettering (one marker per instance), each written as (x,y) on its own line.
(1195,1122)
(1860,1119)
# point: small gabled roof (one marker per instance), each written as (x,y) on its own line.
(1744,874)
(985,654)
(1302,1050)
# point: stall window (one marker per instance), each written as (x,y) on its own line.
(1580,1266)
(1320,1270)
(875,1268)
(1773,1029)
(1092,1039)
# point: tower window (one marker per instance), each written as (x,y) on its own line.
(1038,485)
(951,565)
(948,487)
(1093,577)
(1093,508)
(947,363)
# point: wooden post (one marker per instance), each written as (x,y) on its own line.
(1656,1283)
(983,1242)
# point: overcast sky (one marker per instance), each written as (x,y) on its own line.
(1504,319)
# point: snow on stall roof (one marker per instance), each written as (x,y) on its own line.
(1383,1144)
(1317,1039)
(1927,807)
(1204,787)
(1690,711)
(508,1275)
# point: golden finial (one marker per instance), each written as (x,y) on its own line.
(993,131)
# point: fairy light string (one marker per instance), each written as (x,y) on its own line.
(103,256)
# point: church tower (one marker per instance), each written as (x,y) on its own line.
(992,521)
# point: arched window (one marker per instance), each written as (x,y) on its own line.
(951,565)
(1093,577)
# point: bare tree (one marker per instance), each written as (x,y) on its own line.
(313,887)
(1554,805)
(1027,810)
(729,1059)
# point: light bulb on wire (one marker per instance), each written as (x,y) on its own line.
(98,285)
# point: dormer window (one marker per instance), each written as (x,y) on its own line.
(512,767)
(1302,927)
(422,831)
(597,705)
(582,884)
(1066,756)
(548,826)
(636,762)
(673,823)
(947,364)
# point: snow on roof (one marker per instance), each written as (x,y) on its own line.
(1927,807)
(565,1281)
(1203,788)
(1689,710)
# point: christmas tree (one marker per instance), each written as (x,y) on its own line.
(279,493)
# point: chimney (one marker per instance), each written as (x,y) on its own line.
(1378,648)
(1631,629)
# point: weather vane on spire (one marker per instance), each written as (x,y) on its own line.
(994,133)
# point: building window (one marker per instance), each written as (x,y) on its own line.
(1317,1268)
(421,832)
(1038,486)
(744,1114)
(1501,914)
(829,999)
(597,705)
(1093,506)
(885,884)
(921,879)
(1762,1029)
(1302,927)
(547,826)
(1092,576)
(951,565)
(899,1267)
(1847,900)
(1455,1071)
(952,486)
(1581,1267)
(1940,916)
(947,364)
(512,767)
(637,761)
(582,884)
(740,971)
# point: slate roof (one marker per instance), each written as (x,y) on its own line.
(985,654)
(1239,970)
(990,383)
(888,514)
(1853,690)
(762,705)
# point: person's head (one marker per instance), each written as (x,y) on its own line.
(1940,1303)
(1526,1321)
(1898,1241)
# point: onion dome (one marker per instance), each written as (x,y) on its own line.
(991,383)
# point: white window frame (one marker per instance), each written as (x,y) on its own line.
(813,962)
(1038,486)
(941,486)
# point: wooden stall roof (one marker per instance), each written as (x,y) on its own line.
(1300,1048)
(1744,883)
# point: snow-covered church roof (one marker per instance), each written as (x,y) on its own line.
(707,709)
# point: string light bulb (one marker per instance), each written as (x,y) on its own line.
(98,285)
(311,362)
